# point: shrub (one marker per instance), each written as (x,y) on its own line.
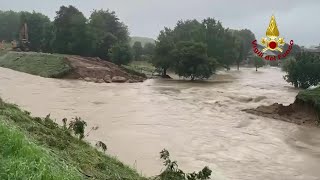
(172,172)
(78,127)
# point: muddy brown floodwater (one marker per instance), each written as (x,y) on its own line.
(199,123)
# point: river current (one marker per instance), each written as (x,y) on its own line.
(200,123)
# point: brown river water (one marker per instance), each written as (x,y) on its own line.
(199,123)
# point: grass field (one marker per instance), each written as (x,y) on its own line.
(37,148)
(141,67)
(45,65)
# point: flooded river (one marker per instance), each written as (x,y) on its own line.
(199,123)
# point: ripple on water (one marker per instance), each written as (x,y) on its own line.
(199,123)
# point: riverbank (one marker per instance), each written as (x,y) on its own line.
(50,151)
(67,66)
(304,111)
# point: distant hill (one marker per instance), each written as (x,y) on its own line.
(143,40)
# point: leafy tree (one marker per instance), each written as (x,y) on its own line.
(257,62)
(106,30)
(137,50)
(120,54)
(172,172)
(48,38)
(192,60)
(244,39)
(230,53)
(303,70)
(71,32)
(38,25)
(149,49)
(163,58)
(9,25)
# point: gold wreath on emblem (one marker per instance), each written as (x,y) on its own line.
(272,41)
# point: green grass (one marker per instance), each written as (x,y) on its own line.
(7,46)
(311,97)
(34,145)
(41,64)
(141,67)
(20,158)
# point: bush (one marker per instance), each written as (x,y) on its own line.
(120,54)
(303,71)
(78,126)
(172,172)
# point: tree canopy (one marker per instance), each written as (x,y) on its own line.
(222,46)
(106,30)
(303,70)
(137,50)
(69,33)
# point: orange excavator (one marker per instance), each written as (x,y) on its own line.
(23,43)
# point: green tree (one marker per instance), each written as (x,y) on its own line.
(163,58)
(223,45)
(244,39)
(191,60)
(230,53)
(38,25)
(9,25)
(303,70)
(149,49)
(137,50)
(106,30)
(258,62)
(120,54)
(71,32)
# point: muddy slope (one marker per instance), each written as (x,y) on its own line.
(97,70)
(299,113)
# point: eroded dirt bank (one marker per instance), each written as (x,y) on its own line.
(99,71)
(298,112)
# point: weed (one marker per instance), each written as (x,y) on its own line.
(172,172)
(101,145)
(78,127)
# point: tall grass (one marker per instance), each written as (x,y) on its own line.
(41,64)
(20,158)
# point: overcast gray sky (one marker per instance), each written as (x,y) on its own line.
(297,19)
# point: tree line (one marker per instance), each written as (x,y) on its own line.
(101,35)
(303,70)
(194,49)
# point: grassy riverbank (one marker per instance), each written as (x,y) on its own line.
(45,65)
(37,148)
(67,66)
